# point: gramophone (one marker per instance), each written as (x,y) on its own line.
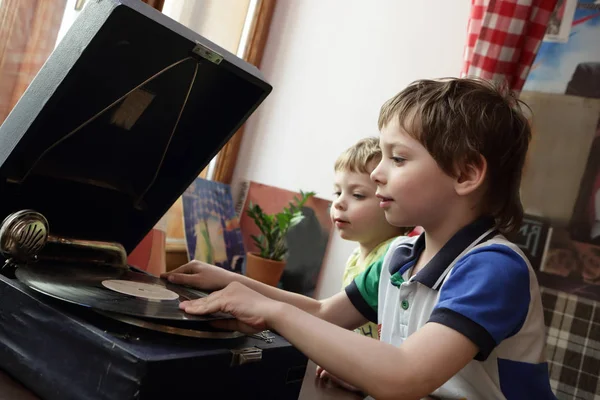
(127,111)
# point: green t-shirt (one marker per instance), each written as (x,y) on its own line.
(354,269)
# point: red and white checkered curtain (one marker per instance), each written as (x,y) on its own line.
(504,37)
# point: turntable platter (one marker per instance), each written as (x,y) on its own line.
(112,289)
(187,328)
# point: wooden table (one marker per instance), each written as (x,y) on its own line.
(11,390)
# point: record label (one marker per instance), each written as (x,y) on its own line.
(138,289)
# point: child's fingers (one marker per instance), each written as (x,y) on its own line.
(326,375)
(180,278)
(319,370)
(188,268)
(205,305)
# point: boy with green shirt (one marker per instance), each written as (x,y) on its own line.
(356,214)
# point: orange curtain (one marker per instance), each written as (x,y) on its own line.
(28,32)
(158,4)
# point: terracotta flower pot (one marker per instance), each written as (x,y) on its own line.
(264,270)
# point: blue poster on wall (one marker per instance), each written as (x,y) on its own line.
(212,229)
(572,67)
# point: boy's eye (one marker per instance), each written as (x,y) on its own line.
(358,196)
(398,160)
(337,194)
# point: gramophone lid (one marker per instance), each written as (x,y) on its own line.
(123,116)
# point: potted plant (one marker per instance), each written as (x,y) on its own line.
(268,263)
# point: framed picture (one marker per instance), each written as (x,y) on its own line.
(559,25)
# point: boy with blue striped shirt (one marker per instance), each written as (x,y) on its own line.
(458,308)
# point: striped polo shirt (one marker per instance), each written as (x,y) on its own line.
(480,285)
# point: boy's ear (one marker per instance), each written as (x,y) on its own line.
(471,177)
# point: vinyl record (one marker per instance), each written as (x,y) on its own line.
(112,289)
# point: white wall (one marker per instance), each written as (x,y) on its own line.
(332,64)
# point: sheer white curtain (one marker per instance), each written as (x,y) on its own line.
(220,21)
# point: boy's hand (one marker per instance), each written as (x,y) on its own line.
(324,375)
(200,275)
(252,310)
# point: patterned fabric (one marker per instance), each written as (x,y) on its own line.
(504,37)
(28,32)
(573,344)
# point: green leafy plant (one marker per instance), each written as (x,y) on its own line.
(274,227)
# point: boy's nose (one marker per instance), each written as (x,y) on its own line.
(377,175)
(338,204)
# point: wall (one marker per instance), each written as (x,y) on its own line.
(332,66)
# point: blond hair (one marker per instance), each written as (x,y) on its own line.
(359,156)
(460,120)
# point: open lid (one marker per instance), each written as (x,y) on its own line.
(123,116)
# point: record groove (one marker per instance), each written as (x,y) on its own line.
(83,285)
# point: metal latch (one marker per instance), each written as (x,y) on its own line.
(264,335)
(246,356)
(207,53)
